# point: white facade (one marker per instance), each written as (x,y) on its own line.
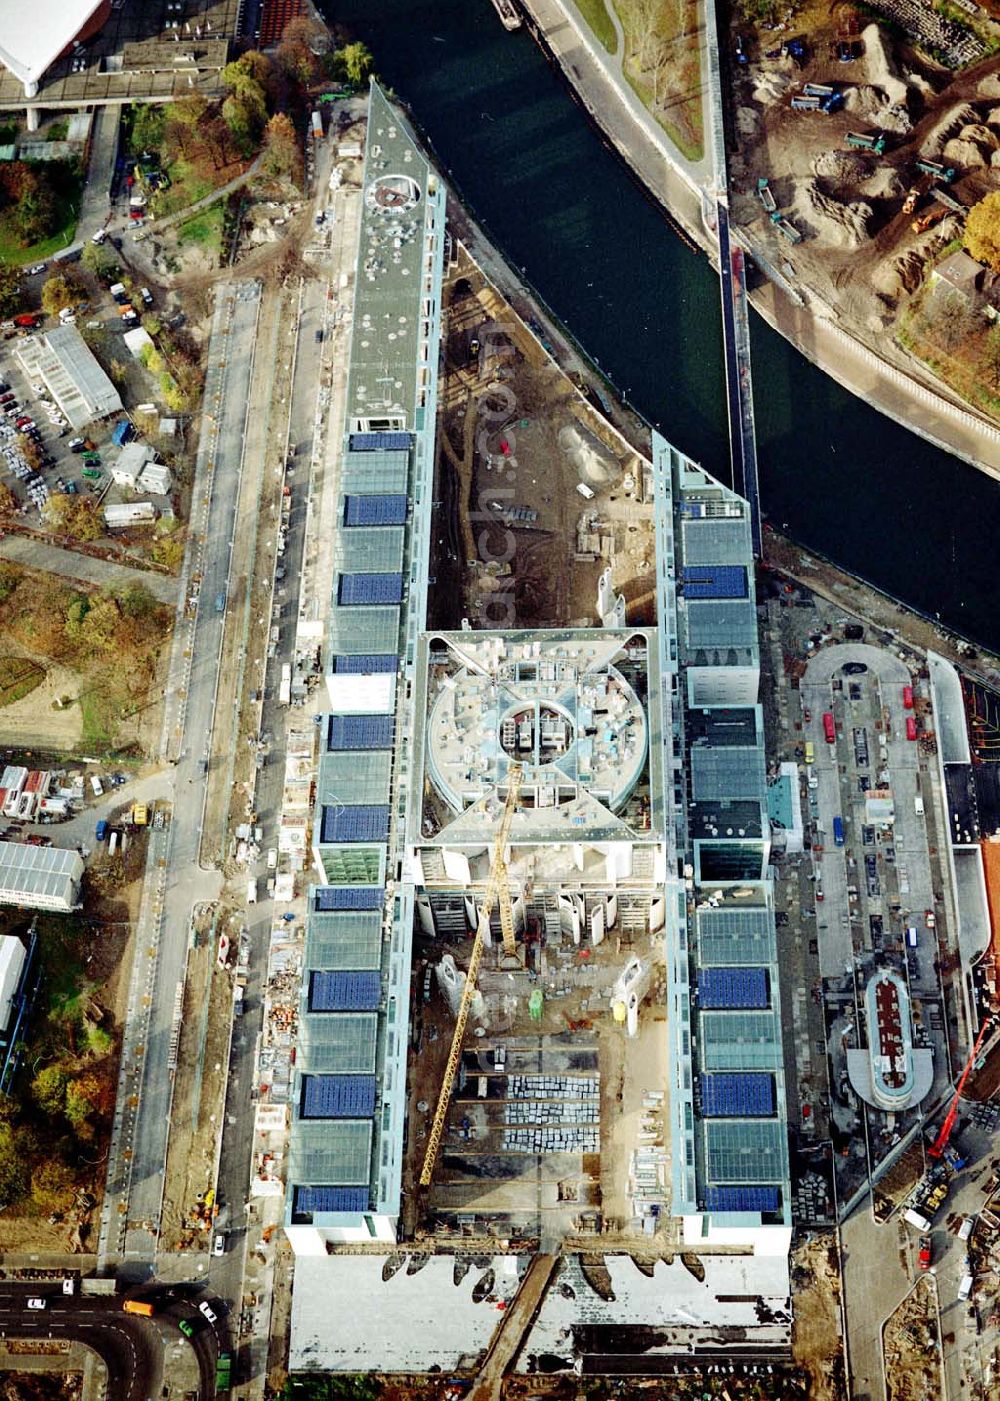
(40,877)
(129,513)
(12,956)
(128,466)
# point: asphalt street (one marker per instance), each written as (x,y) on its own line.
(175,881)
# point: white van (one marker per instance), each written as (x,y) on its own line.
(965,1288)
(914,1218)
(965,1230)
(97,786)
(272,859)
(585,491)
(252,890)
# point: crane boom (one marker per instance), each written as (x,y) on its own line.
(941,1142)
(497,889)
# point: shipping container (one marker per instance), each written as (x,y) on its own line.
(140,1306)
(911,727)
(829,728)
(907,697)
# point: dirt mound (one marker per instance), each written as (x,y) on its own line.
(864,101)
(885,183)
(963,153)
(990,86)
(747,121)
(897,119)
(898,275)
(993,116)
(843,225)
(842,171)
(949,125)
(882,68)
(770,87)
(995,160)
(980,133)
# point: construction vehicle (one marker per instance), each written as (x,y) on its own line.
(924,1253)
(875,144)
(949,201)
(788,230)
(765,196)
(802,103)
(920,225)
(140,814)
(829,98)
(936,1150)
(939,171)
(497,893)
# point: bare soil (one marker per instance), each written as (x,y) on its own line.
(911,1346)
(816,1341)
(39,720)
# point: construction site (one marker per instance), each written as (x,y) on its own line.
(538,1099)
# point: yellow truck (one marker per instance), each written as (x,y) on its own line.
(140,815)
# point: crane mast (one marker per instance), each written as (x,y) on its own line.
(497,893)
(941,1142)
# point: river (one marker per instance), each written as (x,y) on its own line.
(837,476)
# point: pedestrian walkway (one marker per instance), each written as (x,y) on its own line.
(54,559)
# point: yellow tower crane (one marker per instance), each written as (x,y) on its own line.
(497,891)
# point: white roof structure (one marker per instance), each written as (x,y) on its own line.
(347,1318)
(71,373)
(12,956)
(40,877)
(33,36)
(156,478)
(137,339)
(128,466)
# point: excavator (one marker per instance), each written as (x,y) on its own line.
(497,893)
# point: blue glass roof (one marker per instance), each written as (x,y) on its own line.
(355,589)
(338,1096)
(375,510)
(359,822)
(378,442)
(330,1199)
(715,581)
(359,732)
(741,1199)
(344,992)
(737,1096)
(365,664)
(732,987)
(348,897)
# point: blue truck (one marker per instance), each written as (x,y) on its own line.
(838,831)
(121,433)
(101,830)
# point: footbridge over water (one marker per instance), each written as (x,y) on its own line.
(732,285)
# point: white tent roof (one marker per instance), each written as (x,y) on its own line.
(33,36)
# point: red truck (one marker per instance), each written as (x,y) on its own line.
(924,1253)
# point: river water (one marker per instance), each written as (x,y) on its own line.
(840,477)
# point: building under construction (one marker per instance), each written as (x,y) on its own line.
(620,1076)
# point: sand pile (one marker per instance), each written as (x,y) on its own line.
(896,119)
(980,133)
(903,273)
(948,126)
(882,68)
(990,86)
(770,87)
(885,183)
(842,225)
(864,101)
(841,171)
(964,154)
(747,122)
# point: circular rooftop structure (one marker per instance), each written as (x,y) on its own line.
(392,195)
(564,712)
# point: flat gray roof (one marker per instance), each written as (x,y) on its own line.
(71,373)
(42,877)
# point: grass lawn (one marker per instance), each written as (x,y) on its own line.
(188,184)
(205,229)
(595,12)
(101,709)
(662,63)
(18,678)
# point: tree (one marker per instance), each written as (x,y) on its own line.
(52,1185)
(282,150)
(184,117)
(13,1170)
(148,125)
(83,1101)
(244,113)
(8,501)
(10,291)
(950,319)
(302,47)
(357,61)
(100,260)
(31,450)
(48,1089)
(59,291)
(982,231)
(75,516)
(989,361)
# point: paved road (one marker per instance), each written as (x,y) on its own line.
(175,881)
(879,1269)
(95,205)
(36,554)
(131,1347)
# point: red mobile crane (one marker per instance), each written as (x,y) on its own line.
(941,1142)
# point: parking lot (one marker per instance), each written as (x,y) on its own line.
(40,452)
